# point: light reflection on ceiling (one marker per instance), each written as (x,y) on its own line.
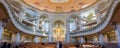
(69,6)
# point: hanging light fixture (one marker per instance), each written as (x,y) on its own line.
(59,1)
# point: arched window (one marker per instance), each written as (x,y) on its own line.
(72,25)
(88,18)
(44,23)
(59,31)
(29,15)
(73,22)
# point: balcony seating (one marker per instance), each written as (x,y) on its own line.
(54,45)
(68,45)
(77,29)
(111,45)
(39,45)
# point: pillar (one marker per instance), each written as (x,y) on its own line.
(21,14)
(36,28)
(82,40)
(95,39)
(18,38)
(1,30)
(80,23)
(13,37)
(50,32)
(68,32)
(36,39)
(105,38)
(100,38)
(117,30)
(44,39)
(67,38)
(98,15)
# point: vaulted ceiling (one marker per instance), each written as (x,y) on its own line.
(57,6)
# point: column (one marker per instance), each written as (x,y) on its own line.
(22,38)
(82,40)
(50,32)
(44,39)
(95,39)
(80,23)
(98,16)
(1,30)
(13,37)
(100,38)
(18,37)
(36,39)
(105,38)
(67,37)
(117,29)
(67,32)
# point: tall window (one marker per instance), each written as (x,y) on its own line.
(46,26)
(88,17)
(29,14)
(72,25)
(44,23)
(73,22)
(59,31)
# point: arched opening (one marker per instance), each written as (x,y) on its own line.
(44,23)
(74,23)
(59,31)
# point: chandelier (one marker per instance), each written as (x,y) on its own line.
(59,1)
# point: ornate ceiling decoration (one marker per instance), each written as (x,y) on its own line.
(60,5)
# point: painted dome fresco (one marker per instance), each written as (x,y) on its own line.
(60,5)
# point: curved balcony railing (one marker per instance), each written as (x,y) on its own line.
(14,18)
(100,14)
(100,26)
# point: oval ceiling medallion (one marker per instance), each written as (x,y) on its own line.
(59,1)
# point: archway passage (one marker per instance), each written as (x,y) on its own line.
(59,31)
